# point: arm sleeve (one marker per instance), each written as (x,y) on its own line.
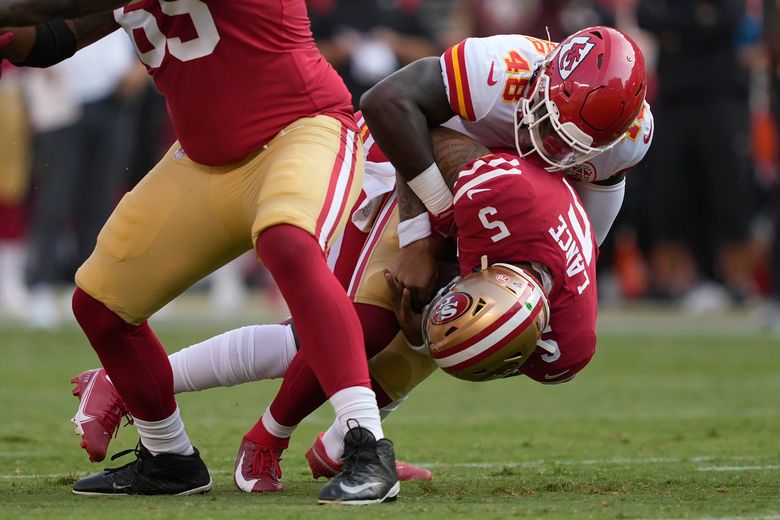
(602,204)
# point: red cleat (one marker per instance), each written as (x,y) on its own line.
(100,412)
(323,466)
(257,468)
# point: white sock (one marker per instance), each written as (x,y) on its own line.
(166,436)
(253,353)
(333,439)
(274,428)
(357,403)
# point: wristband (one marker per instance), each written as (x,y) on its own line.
(430,187)
(414,229)
(54,42)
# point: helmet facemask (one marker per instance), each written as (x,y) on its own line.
(561,145)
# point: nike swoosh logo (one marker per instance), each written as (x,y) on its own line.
(490,80)
(352,490)
(548,377)
(242,483)
(81,414)
(646,139)
(120,488)
(474,191)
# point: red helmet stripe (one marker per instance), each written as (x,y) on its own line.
(499,344)
(512,314)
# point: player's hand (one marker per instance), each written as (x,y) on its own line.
(5,39)
(409,319)
(415,269)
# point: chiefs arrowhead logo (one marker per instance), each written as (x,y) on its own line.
(572,53)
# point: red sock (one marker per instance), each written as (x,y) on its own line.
(259,435)
(133,358)
(300,393)
(328,328)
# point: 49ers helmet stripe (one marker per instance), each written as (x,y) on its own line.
(496,331)
(486,324)
(494,342)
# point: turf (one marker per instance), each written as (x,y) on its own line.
(672,419)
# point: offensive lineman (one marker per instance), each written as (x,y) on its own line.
(267,158)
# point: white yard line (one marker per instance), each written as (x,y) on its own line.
(523,464)
(739,468)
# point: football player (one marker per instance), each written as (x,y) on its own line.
(507,210)
(577,107)
(267,158)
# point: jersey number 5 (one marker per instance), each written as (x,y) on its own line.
(199,13)
(503,231)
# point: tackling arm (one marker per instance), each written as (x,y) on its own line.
(415,266)
(452,151)
(399,111)
(32,12)
(51,42)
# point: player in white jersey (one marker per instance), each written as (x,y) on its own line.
(578,107)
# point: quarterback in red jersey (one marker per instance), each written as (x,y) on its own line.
(508,211)
(267,158)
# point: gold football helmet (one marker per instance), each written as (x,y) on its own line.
(486,324)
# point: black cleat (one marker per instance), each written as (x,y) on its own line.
(164,474)
(368,475)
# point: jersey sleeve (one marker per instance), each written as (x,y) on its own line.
(626,154)
(473,78)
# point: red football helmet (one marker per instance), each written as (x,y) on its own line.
(586,94)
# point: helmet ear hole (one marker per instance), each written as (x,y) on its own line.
(514,357)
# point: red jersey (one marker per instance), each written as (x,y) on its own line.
(233,73)
(513,211)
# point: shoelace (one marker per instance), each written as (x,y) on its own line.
(353,457)
(260,459)
(136,450)
(112,418)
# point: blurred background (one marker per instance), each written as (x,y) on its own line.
(699,231)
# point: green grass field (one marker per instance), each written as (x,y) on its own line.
(673,419)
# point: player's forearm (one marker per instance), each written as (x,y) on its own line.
(32,12)
(409,205)
(50,42)
(401,109)
(91,28)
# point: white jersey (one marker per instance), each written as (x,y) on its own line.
(486,77)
